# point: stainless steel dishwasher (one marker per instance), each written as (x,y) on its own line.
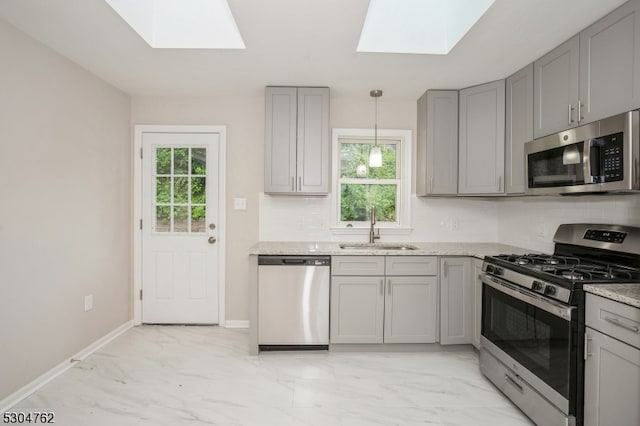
(293,302)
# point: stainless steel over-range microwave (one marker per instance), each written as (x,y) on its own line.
(597,157)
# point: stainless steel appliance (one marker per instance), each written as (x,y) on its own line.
(293,302)
(533,316)
(598,157)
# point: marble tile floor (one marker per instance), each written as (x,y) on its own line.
(196,375)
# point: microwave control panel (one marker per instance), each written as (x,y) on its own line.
(612,157)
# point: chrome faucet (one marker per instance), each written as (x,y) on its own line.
(373,236)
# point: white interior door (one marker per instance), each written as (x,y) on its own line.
(180,211)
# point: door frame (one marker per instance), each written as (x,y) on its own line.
(139,130)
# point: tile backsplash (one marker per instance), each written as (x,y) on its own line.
(527,222)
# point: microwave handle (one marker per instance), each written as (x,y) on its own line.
(586,161)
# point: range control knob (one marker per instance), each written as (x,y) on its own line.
(536,286)
(550,290)
(498,271)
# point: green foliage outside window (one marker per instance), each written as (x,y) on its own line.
(358,198)
(185,204)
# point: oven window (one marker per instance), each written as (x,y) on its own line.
(538,340)
(562,166)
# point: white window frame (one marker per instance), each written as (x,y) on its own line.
(403,157)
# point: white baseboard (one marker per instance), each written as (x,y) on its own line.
(236,324)
(29,388)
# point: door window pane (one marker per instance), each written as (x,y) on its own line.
(180,185)
(180,161)
(163,218)
(198,161)
(163,161)
(180,190)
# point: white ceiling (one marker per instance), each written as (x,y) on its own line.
(299,42)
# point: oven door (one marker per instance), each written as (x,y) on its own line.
(538,333)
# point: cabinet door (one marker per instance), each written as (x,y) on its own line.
(313,140)
(611,382)
(519,127)
(555,89)
(280,140)
(437,163)
(411,310)
(610,64)
(456,301)
(476,264)
(357,309)
(481,156)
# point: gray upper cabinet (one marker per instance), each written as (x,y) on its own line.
(481,131)
(296,141)
(437,161)
(556,89)
(519,127)
(592,75)
(610,64)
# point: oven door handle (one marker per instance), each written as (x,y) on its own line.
(547,305)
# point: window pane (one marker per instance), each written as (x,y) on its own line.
(163,218)
(198,214)
(181,161)
(163,190)
(356,202)
(198,161)
(163,161)
(354,161)
(181,219)
(198,190)
(181,190)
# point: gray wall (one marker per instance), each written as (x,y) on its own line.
(65,216)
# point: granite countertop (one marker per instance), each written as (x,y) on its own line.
(625,293)
(478,250)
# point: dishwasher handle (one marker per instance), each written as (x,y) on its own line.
(295,260)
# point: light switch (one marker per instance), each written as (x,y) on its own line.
(240,203)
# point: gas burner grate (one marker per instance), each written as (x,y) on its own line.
(585,272)
(539,259)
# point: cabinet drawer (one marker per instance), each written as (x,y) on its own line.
(412,265)
(357,265)
(613,318)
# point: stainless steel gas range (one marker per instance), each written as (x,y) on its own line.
(533,316)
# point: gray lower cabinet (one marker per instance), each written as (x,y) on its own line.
(612,366)
(476,266)
(457,297)
(481,138)
(518,127)
(437,143)
(296,151)
(384,299)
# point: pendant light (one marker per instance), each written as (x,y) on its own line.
(375,155)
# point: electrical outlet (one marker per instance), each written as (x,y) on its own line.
(88,302)
(240,203)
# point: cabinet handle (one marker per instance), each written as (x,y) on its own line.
(570,119)
(445,267)
(431,185)
(293,183)
(381,287)
(580,117)
(517,385)
(587,354)
(616,321)
(389,287)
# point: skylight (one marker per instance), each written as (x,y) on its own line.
(418,26)
(181,24)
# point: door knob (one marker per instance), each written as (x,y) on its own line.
(212,240)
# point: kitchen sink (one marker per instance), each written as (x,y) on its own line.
(367,246)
